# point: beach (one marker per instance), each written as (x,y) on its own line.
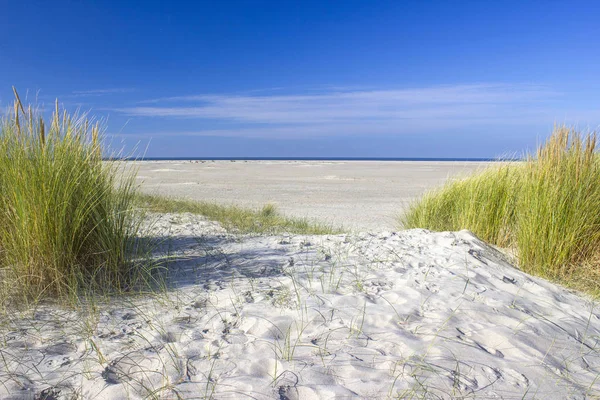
(397,315)
(299,200)
(358,195)
(370,314)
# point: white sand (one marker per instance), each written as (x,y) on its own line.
(359,195)
(410,314)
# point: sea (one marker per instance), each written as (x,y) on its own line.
(311,159)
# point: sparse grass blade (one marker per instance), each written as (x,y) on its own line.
(237,219)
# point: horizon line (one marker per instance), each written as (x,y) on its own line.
(473,159)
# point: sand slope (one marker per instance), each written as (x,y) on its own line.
(410,314)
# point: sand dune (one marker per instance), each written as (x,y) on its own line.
(410,314)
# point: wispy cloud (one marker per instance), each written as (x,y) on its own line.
(347,110)
(436,102)
(101,92)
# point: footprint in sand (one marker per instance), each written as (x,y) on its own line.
(515,378)
(60,349)
(492,374)
(464,336)
(489,349)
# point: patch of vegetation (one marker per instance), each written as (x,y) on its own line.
(237,219)
(67,220)
(547,209)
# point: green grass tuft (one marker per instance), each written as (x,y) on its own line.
(547,209)
(67,221)
(237,219)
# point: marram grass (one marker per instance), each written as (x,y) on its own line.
(67,221)
(266,220)
(546,208)
(70,222)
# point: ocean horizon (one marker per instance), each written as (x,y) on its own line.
(473,159)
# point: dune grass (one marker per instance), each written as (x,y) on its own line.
(67,219)
(266,220)
(70,222)
(547,209)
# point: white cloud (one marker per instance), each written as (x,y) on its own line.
(351,111)
(409,126)
(101,92)
(464,101)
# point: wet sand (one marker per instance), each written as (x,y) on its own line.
(358,195)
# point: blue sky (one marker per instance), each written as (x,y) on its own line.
(311,78)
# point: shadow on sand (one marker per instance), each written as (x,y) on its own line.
(214,260)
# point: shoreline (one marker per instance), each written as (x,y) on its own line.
(375,159)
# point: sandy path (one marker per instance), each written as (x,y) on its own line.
(359,195)
(411,314)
